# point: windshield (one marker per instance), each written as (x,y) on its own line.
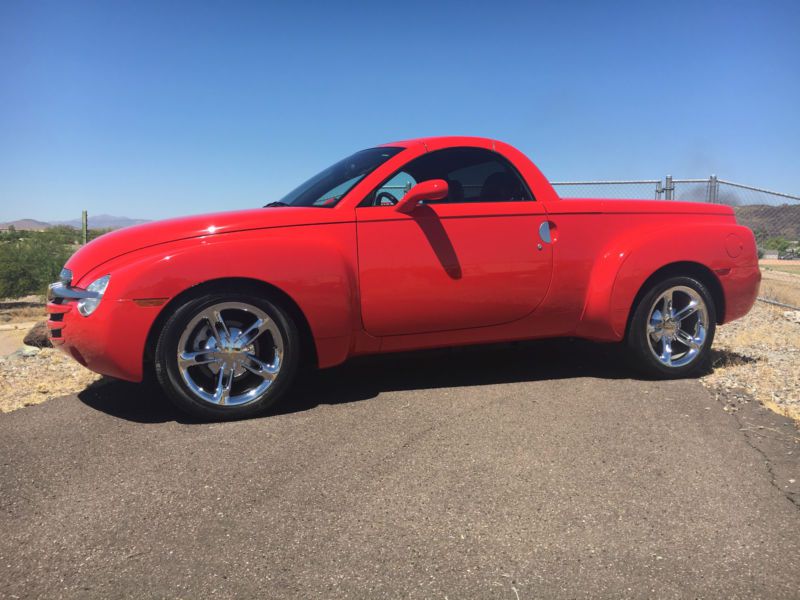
(328,187)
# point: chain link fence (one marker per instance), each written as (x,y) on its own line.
(773,216)
(624,190)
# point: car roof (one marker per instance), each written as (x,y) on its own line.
(446,140)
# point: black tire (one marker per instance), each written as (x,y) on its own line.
(169,374)
(644,349)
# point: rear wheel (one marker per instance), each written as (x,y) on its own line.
(673,327)
(227,356)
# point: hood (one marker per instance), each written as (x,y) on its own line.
(129,239)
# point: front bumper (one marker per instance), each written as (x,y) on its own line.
(111,341)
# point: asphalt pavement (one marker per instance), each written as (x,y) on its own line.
(519,471)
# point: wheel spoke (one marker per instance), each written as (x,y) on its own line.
(218,327)
(217,315)
(686,339)
(687,310)
(194,359)
(668,304)
(212,325)
(255,327)
(224,385)
(666,351)
(261,368)
(655,331)
(249,335)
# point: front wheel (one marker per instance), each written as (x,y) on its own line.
(672,328)
(227,356)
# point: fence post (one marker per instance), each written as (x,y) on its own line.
(669,188)
(659,191)
(713,189)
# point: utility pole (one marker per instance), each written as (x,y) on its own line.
(84,227)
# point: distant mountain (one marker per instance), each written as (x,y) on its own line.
(95,222)
(26,225)
(103,222)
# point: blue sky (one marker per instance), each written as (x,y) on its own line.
(159,109)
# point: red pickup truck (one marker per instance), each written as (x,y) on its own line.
(416,244)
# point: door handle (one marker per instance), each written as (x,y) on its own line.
(544,232)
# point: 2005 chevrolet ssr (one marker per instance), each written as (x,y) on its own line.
(415,244)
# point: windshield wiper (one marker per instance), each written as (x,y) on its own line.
(276,203)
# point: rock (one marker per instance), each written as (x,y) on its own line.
(38,336)
(792,315)
(30,350)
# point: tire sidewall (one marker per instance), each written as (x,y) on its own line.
(637,336)
(171,381)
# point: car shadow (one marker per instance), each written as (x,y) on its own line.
(366,377)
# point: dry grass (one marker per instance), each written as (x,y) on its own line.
(20,310)
(793,269)
(780,286)
(786,266)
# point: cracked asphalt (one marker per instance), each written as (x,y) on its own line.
(514,471)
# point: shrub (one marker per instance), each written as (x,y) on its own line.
(776,243)
(28,264)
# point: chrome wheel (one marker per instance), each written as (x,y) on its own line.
(230,354)
(677,327)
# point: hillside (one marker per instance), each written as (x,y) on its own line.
(771,221)
(26,225)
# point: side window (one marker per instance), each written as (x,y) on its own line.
(393,190)
(472,175)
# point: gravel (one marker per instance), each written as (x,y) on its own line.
(30,376)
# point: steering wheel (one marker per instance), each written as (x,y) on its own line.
(390,197)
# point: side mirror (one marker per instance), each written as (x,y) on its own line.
(433,189)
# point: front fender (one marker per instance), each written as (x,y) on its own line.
(314,268)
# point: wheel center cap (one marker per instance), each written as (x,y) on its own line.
(670,327)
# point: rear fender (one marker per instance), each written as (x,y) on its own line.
(628,262)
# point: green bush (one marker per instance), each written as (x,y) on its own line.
(28,263)
(30,260)
(776,243)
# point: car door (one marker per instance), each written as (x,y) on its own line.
(474,259)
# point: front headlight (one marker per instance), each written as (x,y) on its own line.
(87,306)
